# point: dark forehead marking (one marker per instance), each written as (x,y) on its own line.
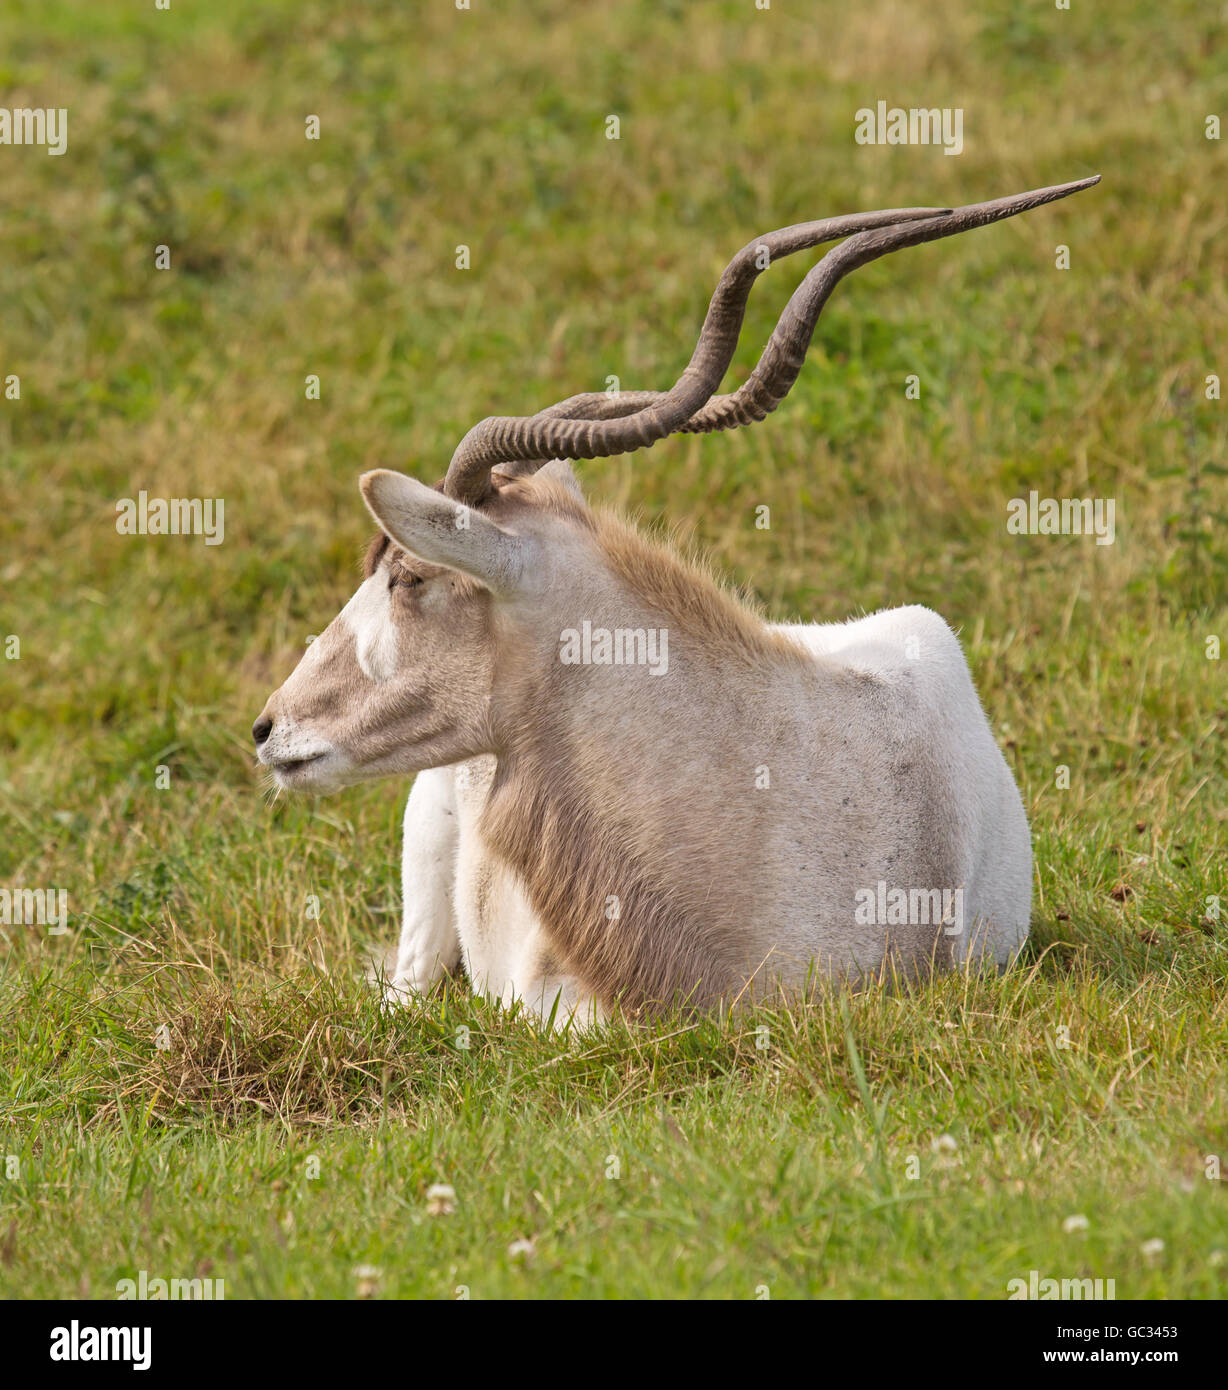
(375,553)
(401,565)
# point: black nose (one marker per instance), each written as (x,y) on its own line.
(261,729)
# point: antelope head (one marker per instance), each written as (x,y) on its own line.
(469,578)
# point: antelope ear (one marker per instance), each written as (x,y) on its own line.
(441,531)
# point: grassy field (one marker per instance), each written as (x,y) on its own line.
(193,1079)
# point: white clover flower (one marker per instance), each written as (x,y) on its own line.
(440,1199)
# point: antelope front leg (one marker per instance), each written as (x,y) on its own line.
(429,945)
(566,998)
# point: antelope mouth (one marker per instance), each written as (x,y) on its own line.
(292,766)
(321,773)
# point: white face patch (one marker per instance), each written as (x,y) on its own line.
(368,615)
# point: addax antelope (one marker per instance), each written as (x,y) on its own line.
(631,790)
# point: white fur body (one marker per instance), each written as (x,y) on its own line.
(461,905)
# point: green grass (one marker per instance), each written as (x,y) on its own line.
(807,1158)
